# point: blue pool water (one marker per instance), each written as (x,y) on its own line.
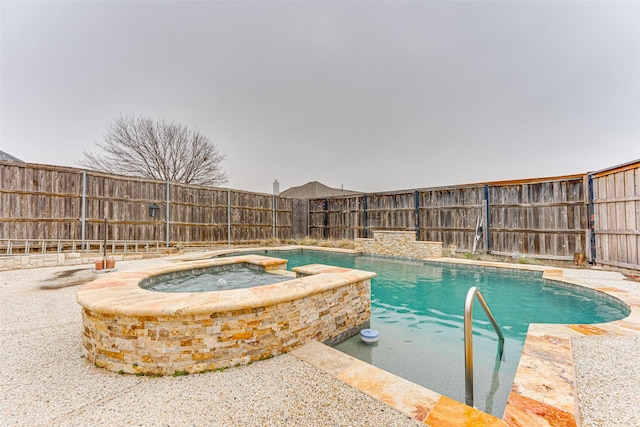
(218,278)
(418,308)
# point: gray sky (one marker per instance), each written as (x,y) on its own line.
(374,96)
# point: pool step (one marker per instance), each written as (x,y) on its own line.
(415,401)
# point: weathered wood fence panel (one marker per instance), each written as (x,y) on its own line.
(124,202)
(46,202)
(40,202)
(546,218)
(251,217)
(391,212)
(300,218)
(196,214)
(344,218)
(318,219)
(616,216)
(284,218)
(348,217)
(450,216)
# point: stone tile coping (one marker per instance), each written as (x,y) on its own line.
(410,399)
(119,293)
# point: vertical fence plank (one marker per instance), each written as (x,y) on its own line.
(617,215)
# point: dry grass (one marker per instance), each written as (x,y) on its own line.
(307,241)
(342,244)
(514,259)
(271,242)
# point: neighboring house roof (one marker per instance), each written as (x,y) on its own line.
(6,157)
(313,190)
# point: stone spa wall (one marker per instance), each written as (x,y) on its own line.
(131,330)
(398,244)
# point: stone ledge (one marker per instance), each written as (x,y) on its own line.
(398,244)
(132,330)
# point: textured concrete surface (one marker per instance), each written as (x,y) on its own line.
(607,371)
(44,380)
(607,368)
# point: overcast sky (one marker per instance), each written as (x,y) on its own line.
(373,96)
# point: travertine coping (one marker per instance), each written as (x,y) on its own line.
(130,329)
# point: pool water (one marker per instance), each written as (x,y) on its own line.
(220,278)
(418,309)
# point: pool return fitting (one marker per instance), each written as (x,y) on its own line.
(472,293)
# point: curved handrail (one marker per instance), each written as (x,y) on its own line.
(472,293)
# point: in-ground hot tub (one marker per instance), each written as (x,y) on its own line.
(133,330)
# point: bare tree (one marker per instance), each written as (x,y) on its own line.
(140,146)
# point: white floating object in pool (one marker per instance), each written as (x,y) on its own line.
(369,335)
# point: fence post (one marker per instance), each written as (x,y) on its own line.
(592,222)
(229,216)
(83,219)
(309,217)
(487,228)
(167,220)
(326,218)
(364,215)
(417,214)
(276,192)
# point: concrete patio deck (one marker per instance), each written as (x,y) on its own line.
(569,375)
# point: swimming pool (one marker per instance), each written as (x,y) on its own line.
(418,306)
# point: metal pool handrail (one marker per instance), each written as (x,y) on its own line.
(468,339)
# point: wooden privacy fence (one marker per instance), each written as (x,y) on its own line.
(49,202)
(543,218)
(597,214)
(546,218)
(615,216)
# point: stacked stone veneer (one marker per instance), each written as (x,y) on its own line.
(205,331)
(18,262)
(400,244)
